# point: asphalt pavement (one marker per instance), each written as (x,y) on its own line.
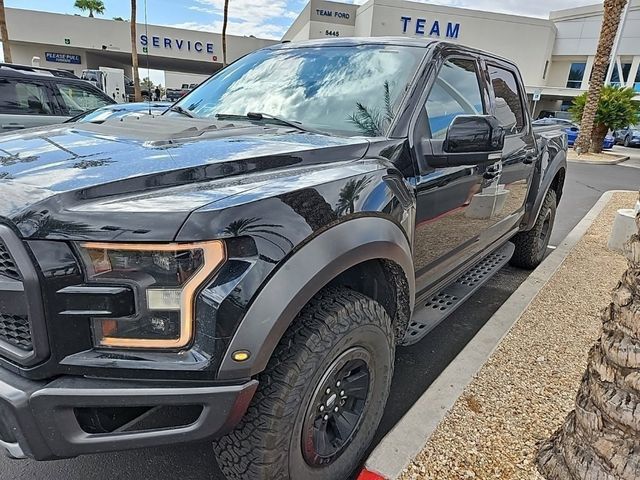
(416,366)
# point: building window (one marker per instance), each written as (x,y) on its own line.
(616,81)
(546,67)
(576,74)
(636,84)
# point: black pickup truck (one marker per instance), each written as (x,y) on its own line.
(243,267)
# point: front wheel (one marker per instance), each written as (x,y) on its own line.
(627,141)
(531,246)
(321,398)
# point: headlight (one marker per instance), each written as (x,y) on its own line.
(166,278)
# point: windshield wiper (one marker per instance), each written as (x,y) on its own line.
(183,111)
(258,116)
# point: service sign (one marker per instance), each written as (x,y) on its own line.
(177,45)
(62,58)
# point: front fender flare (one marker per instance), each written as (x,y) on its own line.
(305,274)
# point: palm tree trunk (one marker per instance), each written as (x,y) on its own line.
(600,439)
(4,34)
(610,22)
(225,18)
(137,96)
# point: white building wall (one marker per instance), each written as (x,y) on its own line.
(579,30)
(77,34)
(22,53)
(176,79)
(510,36)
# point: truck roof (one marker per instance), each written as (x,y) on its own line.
(28,69)
(390,40)
(405,41)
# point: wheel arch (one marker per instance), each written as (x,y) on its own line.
(554,179)
(338,256)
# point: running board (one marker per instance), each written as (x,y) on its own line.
(442,304)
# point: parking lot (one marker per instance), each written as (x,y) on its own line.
(416,366)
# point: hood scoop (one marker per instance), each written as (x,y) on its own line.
(157,131)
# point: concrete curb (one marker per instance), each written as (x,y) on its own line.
(409,436)
(613,161)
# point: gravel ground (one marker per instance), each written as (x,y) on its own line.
(528,385)
(594,157)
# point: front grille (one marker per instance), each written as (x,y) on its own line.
(7,265)
(15,330)
(23,334)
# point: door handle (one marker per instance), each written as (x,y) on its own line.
(492,172)
(530,157)
(12,126)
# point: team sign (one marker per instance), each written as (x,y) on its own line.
(432,29)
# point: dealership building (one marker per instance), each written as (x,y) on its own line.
(555,55)
(75,43)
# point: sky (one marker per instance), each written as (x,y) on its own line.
(266,18)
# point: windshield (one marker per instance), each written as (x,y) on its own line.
(352,90)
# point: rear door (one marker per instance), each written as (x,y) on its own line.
(519,154)
(454,204)
(25,103)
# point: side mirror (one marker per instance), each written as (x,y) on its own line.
(470,140)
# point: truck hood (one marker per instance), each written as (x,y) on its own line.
(140,177)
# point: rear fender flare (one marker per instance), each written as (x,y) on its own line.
(305,274)
(551,172)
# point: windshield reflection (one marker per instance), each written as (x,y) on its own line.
(353,90)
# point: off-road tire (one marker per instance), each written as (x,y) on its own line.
(530,247)
(266,445)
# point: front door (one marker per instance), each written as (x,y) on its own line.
(519,152)
(455,205)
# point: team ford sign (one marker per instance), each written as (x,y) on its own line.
(62,58)
(420,26)
(176,44)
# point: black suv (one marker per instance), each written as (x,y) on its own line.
(244,266)
(34,96)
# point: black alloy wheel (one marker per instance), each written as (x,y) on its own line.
(336,409)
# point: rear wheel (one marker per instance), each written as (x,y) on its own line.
(321,398)
(627,141)
(531,246)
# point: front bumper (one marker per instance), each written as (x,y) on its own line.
(47,421)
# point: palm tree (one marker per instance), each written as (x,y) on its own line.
(137,95)
(225,18)
(616,110)
(4,34)
(370,121)
(349,194)
(610,23)
(600,439)
(251,227)
(91,5)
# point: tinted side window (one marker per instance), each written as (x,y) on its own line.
(456,91)
(18,97)
(76,100)
(509,110)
